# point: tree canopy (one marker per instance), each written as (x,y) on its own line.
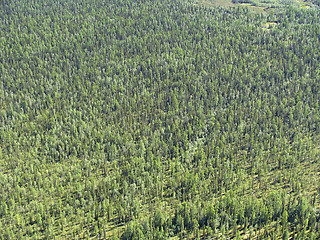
(154,119)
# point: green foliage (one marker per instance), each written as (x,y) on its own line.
(155,119)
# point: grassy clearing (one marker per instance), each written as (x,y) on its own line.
(215,3)
(229,3)
(259,6)
(257,9)
(269,25)
(224,3)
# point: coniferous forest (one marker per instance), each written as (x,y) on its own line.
(158,119)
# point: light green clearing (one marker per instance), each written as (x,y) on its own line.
(257,6)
